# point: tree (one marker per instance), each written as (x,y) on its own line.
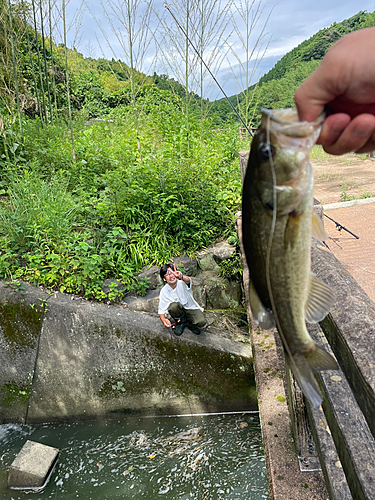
(131,25)
(249,21)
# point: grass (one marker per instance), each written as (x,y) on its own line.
(318,153)
(348,197)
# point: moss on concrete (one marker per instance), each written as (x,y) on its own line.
(197,371)
(20,324)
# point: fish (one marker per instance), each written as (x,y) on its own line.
(277,224)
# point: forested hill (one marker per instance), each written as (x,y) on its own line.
(316,46)
(276,88)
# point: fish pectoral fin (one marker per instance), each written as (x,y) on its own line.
(303,368)
(317,228)
(292,229)
(262,316)
(319,301)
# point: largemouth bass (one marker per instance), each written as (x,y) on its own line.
(278,221)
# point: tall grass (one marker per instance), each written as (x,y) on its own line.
(69,225)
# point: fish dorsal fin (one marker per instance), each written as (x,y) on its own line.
(262,316)
(317,228)
(319,301)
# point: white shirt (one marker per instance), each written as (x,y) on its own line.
(182,294)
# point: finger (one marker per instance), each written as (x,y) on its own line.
(355,136)
(368,147)
(333,127)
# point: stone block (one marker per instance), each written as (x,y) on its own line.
(207,262)
(221,251)
(114,286)
(223,294)
(153,274)
(31,467)
(187,265)
(149,303)
(199,292)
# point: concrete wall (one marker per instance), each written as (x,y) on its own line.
(72,359)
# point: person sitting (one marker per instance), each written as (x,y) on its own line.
(176,298)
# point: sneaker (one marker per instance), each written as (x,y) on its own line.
(204,328)
(193,328)
(178,327)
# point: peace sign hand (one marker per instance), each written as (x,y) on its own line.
(178,274)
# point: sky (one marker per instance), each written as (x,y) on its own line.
(290,23)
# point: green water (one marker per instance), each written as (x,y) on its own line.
(196,457)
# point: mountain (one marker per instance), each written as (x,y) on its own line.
(276,88)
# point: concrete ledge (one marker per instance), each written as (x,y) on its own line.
(90,360)
(350,329)
(32,466)
(351,203)
(21,315)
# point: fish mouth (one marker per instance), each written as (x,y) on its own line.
(286,122)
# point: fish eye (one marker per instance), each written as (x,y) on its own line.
(266,152)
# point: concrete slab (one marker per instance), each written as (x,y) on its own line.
(32,466)
(356,255)
(21,312)
(97,360)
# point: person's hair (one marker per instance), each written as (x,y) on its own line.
(164,269)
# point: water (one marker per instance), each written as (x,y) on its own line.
(195,457)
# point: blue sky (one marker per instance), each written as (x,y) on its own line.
(290,23)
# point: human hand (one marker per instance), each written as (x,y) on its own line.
(178,274)
(344,84)
(167,323)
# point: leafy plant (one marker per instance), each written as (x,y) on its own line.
(231,268)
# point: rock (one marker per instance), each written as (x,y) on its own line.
(112,285)
(221,251)
(153,274)
(199,292)
(187,265)
(207,261)
(221,293)
(31,467)
(149,303)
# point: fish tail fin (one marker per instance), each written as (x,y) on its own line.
(303,368)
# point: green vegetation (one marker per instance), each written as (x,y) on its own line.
(69,224)
(101,172)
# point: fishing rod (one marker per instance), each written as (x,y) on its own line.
(208,69)
(339,227)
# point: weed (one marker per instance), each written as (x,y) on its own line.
(231,268)
(344,195)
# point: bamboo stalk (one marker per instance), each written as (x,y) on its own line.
(68,82)
(4,138)
(15,68)
(187,73)
(132,86)
(45,61)
(38,54)
(51,49)
(31,60)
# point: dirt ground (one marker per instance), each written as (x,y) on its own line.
(341,177)
(353,176)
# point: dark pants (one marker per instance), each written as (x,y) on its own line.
(194,316)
